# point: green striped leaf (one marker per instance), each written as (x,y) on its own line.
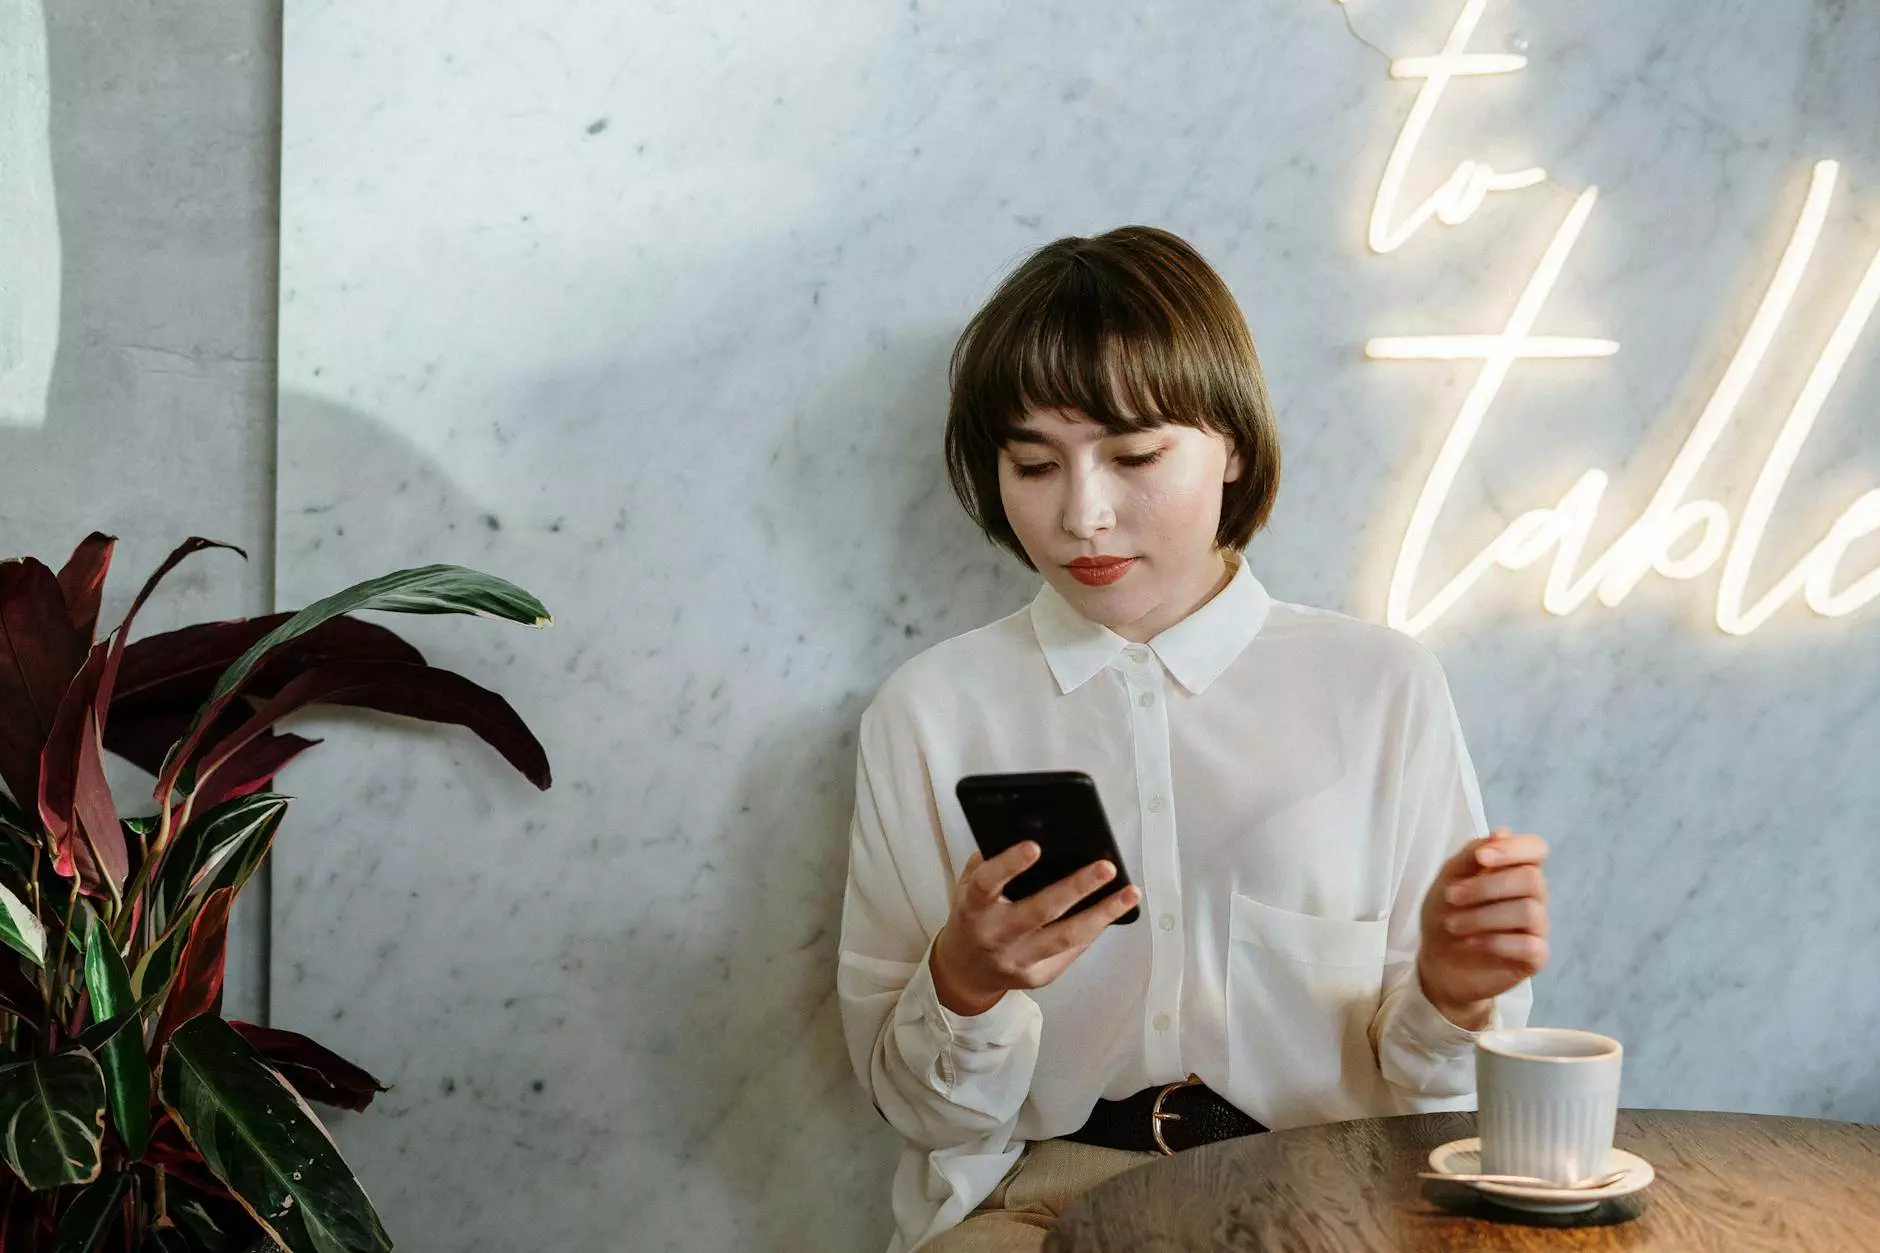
(221,852)
(157,966)
(126,1069)
(53,1112)
(426,589)
(98,1034)
(218,849)
(264,1142)
(91,1214)
(20,928)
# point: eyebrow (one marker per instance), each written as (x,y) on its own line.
(1025,435)
(1021,435)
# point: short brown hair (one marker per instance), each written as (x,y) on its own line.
(1130,328)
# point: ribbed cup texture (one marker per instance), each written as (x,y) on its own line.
(1561,1138)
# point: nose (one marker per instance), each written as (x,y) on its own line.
(1088,511)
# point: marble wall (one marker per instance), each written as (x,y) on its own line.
(139,195)
(647,308)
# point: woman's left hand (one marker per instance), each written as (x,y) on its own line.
(1484,925)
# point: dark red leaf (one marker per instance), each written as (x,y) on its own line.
(253,767)
(315,1071)
(77,747)
(74,799)
(107,685)
(141,732)
(40,651)
(197,987)
(167,677)
(81,581)
(400,688)
(183,665)
(103,835)
(58,758)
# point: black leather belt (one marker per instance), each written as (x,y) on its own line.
(1166,1119)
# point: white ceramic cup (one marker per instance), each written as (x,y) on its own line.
(1546,1101)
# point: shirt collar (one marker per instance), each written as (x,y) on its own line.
(1196,650)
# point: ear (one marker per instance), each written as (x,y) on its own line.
(1234,466)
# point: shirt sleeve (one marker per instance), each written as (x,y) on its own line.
(941,1079)
(1429,1060)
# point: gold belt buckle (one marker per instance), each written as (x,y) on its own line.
(1157,1116)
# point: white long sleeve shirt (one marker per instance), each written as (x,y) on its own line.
(1283,782)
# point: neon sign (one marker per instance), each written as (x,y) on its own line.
(1670,518)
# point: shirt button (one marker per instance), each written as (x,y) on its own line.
(1146,699)
(1136,652)
(1161,1022)
(1168,922)
(1157,804)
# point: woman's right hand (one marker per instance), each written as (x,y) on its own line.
(990,945)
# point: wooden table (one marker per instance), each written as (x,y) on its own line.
(1736,1182)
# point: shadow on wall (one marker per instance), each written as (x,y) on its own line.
(867,558)
(886,562)
(710,991)
(387,950)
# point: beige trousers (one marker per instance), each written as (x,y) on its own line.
(1039,1187)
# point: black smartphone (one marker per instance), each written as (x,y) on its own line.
(1060,810)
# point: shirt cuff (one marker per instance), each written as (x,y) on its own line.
(1427,1026)
(994,1028)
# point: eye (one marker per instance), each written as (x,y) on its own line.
(1141,459)
(1032,470)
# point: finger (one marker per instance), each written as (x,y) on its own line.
(1054,901)
(1524,915)
(1511,850)
(1463,862)
(1498,885)
(1076,932)
(989,881)
(974,862)
(1528,951)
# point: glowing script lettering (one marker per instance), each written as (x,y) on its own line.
(1458,198)
(1670,518)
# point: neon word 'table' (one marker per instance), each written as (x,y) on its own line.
(1672,516)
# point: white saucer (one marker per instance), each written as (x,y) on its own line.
(1464,1157)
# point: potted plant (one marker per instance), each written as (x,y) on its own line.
(137,1117)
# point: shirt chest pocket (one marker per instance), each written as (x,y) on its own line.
(1301,992)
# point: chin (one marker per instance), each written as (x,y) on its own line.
(1105,606)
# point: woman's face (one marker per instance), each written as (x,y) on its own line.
(1074,492)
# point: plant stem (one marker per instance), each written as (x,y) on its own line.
(45,989)
(58,982)
(121,925)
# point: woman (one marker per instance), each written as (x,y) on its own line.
(1324,925)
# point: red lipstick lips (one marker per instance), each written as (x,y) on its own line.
(1099,571)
